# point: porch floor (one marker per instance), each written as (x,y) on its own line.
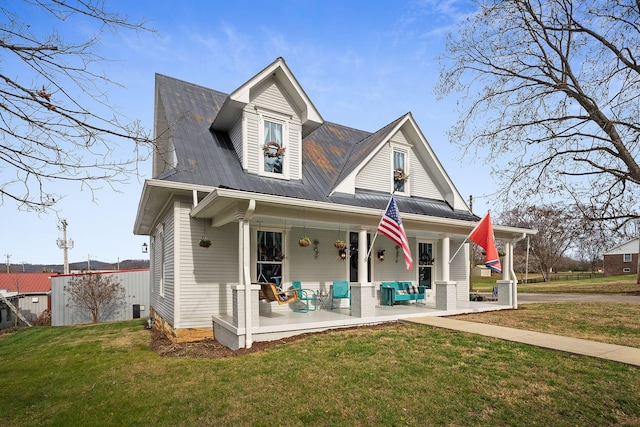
(283,321)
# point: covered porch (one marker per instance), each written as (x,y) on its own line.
(271,322)
(268,230)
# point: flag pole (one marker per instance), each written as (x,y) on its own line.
(376,235)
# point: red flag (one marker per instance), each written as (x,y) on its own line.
(391,226)
(483,236)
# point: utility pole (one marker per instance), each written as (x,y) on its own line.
(8,263)
(65,244)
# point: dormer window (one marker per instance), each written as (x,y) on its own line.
(273,148)
(400,174)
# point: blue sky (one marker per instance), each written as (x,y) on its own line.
(363,64)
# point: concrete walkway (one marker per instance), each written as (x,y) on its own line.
(617,353)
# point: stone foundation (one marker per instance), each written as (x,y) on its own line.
(179,335)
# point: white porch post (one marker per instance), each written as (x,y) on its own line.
(446,251)
(362,292)
(245,264)
(245,257)
(446,289)
(505,289)
(362,256)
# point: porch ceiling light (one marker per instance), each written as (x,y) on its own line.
(145,248)
(343,254)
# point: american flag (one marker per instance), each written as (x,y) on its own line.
(391,226)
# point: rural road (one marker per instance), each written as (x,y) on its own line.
(534,298)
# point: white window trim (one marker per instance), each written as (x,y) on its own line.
(162,261)
(406,151)
(284,120)
(627,257)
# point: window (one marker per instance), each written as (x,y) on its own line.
(626,258)
(400,175)
(273,147)
(269,257)
(160,253)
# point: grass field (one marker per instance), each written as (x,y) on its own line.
(616,285)
(394,375)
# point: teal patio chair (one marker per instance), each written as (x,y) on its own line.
(340,290)
(304,295)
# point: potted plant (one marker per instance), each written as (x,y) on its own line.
(205,243)
(340,244)
(304,241)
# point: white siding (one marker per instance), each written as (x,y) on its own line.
(420,181)
(252,140)
(236,138)
(206,274)
(376,174)
(164,305)
(459,270)
(312,271)
(270,96)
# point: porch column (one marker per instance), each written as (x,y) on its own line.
(245,259)
(446,289)
(505,286)
(362,255)
(363,299)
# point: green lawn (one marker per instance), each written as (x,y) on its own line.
(395,375)
(615,285)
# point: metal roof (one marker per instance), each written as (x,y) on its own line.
(207,157)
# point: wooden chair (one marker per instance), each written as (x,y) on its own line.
(269,292)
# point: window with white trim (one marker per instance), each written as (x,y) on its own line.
(273,148)
(160,254)
(626,258)
(400,171)
(269,257)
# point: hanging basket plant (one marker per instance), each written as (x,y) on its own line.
(304,241)
(205,243)
(340,244)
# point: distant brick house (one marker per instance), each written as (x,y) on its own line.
(622,259)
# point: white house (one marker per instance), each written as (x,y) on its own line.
(253,171)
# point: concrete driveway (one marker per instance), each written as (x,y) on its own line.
(537,298)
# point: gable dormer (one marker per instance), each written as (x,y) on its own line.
(398,160)
(267,118)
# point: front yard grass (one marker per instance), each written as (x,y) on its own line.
(397,375)
(600,285)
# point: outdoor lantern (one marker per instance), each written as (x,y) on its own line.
(145,248)
(381,255)
(343,254)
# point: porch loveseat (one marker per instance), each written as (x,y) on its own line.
(393,292)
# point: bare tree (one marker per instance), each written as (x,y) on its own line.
(50,91)
(558,231)
(553,88)
(102,295)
